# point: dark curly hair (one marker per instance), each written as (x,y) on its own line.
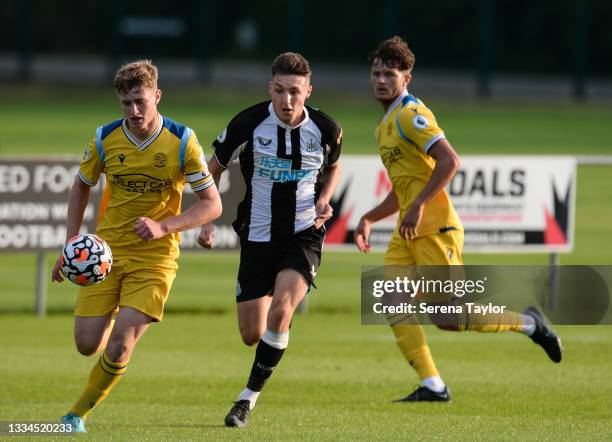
(395,53)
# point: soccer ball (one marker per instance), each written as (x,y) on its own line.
(86,259)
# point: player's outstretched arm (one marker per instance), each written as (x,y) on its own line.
(447,164)
(323,208)
(386,208)
(77,202)
(207,233)
(206,210)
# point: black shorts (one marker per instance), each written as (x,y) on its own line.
(260,262)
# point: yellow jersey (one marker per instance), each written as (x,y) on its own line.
(144,178)
(405,134)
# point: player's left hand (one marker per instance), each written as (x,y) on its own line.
(324,212)
(56,273)
(149,229)
(410,222)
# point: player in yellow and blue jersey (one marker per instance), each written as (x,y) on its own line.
(420,162)
(147,158)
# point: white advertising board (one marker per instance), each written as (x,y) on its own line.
(506,203)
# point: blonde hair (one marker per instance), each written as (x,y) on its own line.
(141,73)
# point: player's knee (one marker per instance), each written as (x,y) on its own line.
(250,337)
(87,347)
(445,322)
(118,350)
(448,327)
(279,315)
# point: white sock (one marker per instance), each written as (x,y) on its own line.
(434,383)
(250,396)
(529,325)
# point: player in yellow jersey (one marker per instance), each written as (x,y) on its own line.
(420,162)
(147,158)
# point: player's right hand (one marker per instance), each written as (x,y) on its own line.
(362,234)
(207,235)
(56,273)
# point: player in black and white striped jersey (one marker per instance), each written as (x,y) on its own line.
(288,156)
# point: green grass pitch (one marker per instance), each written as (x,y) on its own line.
(338,377)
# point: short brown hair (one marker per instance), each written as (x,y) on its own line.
(141,73)
(291,63)
(395,53)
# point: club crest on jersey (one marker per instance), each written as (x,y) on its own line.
(312,145)
(264,143)
(160,159)
(222,135)
(420,122)
(122,158)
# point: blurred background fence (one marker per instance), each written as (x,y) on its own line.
(481,44)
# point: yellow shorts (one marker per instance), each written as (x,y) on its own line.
(437,249)
(139,285)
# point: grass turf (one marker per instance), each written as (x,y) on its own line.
(335,383)
(65,120)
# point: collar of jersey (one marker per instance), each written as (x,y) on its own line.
(286,126)
(396,103)
(146,143)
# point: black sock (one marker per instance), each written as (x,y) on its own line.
(266,359)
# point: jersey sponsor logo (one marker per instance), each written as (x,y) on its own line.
(420,122)
(285,175)
(222,135)
(312,145)
(122,158)
(264,143)
(140,183)
(275,163)
(390,155)
(279,169)
(160,159)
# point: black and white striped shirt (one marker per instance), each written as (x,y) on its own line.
(282,167)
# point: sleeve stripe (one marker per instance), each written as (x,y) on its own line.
(204,185)
(99,146)
(433,141)
(193,177)
(85,180)
(201,180)
(183,147)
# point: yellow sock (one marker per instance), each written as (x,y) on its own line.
(491,322)
(412,343)
(104,376)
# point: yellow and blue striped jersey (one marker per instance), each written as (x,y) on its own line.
(143,179)
(405,134)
